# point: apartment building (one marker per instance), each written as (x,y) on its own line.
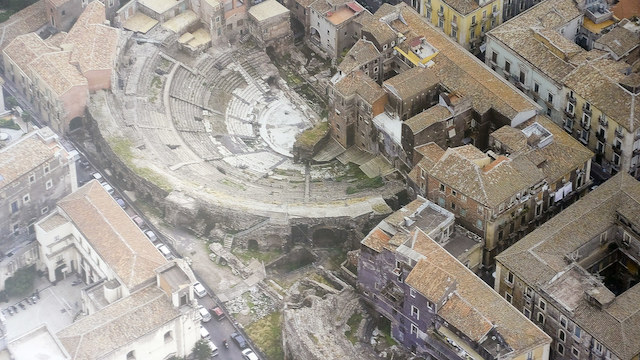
(418,68)
(332,25)
(62,14)
(142,303)
(57,74)
(35,172)
(543,60)
(437,307)
(466,22)
(577,277)
(528,174)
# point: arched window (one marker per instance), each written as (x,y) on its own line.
(131,355)
(168,337)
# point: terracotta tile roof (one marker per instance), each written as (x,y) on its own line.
(93,45)
(556,159)
(362,52)
(55,70)
(118,324)
(26,48)
(626,9)
(463,6)
(58,2)
(597,82)
(475,305)
(427,118)
(56,39)
(358,83)
(620,40)
(434,283)
(411,82)
(489,182)
(113,235)
(376,239)
(431,151)
(29,152)
(532,35)
(27,20)
(539,258)
(380,31)
(464,317)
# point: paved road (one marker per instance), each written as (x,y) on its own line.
(219,330)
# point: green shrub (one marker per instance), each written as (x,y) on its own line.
(21,283)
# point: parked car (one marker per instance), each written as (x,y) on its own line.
(239,339)
(121,203)
(151,235)
(199,290)
(97,176)
(214,348)
(204,313)
(204,333)
(164,250)
(249,354)
(138,220)
(108,188)
(218,313)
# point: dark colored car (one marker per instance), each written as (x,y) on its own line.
(239,339)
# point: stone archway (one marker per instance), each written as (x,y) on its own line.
(325,237)
(252,244)
(75,124)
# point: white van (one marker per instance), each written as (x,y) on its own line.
(204,333)
(214,349)
(204,313)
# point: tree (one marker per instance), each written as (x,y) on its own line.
(202,350)
(21,283)
(26,117)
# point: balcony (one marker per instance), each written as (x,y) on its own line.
(617,149)
(618,133)
(473,25)
(440,13)
(571,99)
(570,115)
(600,135)
(428,5)
(495,14)
(585,124)
(636,152)
(586,110)
(454,24)
(602,120)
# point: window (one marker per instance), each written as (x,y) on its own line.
(575,351)
(563,320)
(16,229)
(473,19)
(44,210)
(463,212)
(596,346)
(454,33)
(32,178)
(562,336)
(453,206)
(480,210)
(616,159)
(484,14)
(131,355)
(508,297)
(560,349)
(540,318)
(415,312)
(479,224)
(507,66)
(577,332)
(168,337)
(570,108)
(46,169)
(536,87)
(494,57)
(527,313)
(538,208)
(14,207)
(442,187)
(26,199)
(412,292)
(429,305)
(49,184)
(509,277)
(584,136)
(440,23)
(550,98)
(542,305)
(522,77)
(454,193)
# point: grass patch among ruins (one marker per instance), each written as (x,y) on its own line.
(264,256)
(266,333)
(353,322)
(310,137)
(121,146)
(365,184)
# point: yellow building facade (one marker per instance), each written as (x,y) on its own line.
(465,21)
